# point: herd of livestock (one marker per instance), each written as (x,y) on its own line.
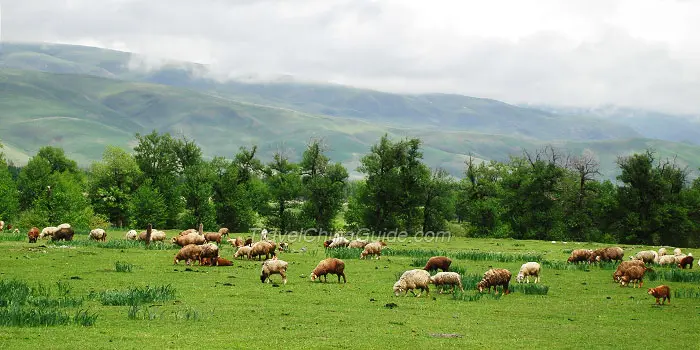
(202,247)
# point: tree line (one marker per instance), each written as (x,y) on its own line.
(542,194)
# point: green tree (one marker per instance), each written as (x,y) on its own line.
(479,199)
(147,206)
(438,201)
(284,184)
(57,158)
(198,190)
(63,201)
(32,181)
(9,204)
(111,183)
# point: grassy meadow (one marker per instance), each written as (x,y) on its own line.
(118,294)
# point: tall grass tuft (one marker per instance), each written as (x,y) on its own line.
(464,296)
(136,295)
(121,244)
(84,318)
(469,281)
(529,288)
(121,266)
(686,293)
(563,265)
(464,255)
(12,237)
(343,253)
(672,275)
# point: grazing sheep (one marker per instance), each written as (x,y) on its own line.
(411,280)
(284,246)
(678,258)
(438,262)
(219,262)
(329,266)
(188,231)
(211,251)
(358,243)
(579,255)
(65,232)
(271,267)
(677,251)
(667,260)
(261,248)
(189,253)
(213,237)
(223,231)
(132,235)
(374,248)
(447,279)
(33,234)
(648,256)
(249,242)
(48,231)
(688,260)
(494,278)
(607,254)
(339,242)
(2,225)
(98,234)
(528,269)
(624,266)
(63,226)
(662,291)
(238,242)
(327,243)
(662,251)
(242,251)
(156,236)
(192,238)
(633,274)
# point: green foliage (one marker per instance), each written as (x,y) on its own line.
(529,288)
(121,266)
(672,275)
(146,206)
(24,306)
(284,185)
(9,197)
(686,293)
(136,295)
(111,184)
(197,190)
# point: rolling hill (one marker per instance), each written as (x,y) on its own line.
(83,98)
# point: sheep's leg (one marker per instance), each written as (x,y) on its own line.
(284,277)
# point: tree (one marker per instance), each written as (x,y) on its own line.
(147,206)
(112,182)
(578,190)
(9,203)
(284,184)
(479,198)
(438,201)
(57,158)
(198,190)
(63,201)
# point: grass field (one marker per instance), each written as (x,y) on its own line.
(120,295)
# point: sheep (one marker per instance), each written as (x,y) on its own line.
(620,271)
(688,260)
(358,243)
(578,255)
(156,236)
(98,234)
(219,262)
(438,262)
(192,238)
(131,235)
(677,251)
(2,225)
(447,279)
(411,280)
(48,231)
(662,251)
(339,242)
(248,242)
(263,235)
(667,260)
(607,254)
(273,266)
(64,233)
(494,278)
(213,237)
(33,234)
(662,291)
(679,257)
(374,248)
(327,243)
(238,242)
(242,251)
(648,256)
(223,231)
(284,246)
(188,231)
(528,269)
(633,274)
(329,266)
(189,253)
(211,251)
(261,248)
(63,226)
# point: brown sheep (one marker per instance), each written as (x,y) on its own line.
(374,248)
(438,262)
(187,232)
(327,243)
(63,233)
(329,266)
(633,274)
(213,237)
(242,251)
(192,238)
(494,278)
(661,291)
(189,253)
(211,251)
(33,234)
(688,260)
(219,262)
(223,231)
(579,255)
(248,242)
(607,254)
(259,249)
(620,271)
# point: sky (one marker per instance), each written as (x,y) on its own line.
(633,53)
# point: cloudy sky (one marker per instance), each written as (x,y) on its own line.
(638,53)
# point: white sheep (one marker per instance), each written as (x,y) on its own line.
(339,242)
(677,251)
(447,279)
(263,235)
(648,256)
(678,258)
(358,243)
(667,260)
(528,269)
(242,251)
(63,226)
(132,235)
(98,234)
(374,248)
(48,231)
(662,251)
(2,225)
(411,280)
(273,266)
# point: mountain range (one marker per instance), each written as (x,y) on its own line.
(83,98)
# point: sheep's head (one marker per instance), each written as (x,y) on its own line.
(313,276)
(481,285)
(520,277)
(398,288)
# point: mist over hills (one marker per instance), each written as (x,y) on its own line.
(83,98)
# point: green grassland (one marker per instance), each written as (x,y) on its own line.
(228,307)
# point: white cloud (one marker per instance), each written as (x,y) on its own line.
(640,53)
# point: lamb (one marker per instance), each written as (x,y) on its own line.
(494,278)
(648,256)
(65,232)
(242,251)
(223,231)
(620,271)
(329,266)
(607,254)
(662,251)
(189,253)
(273,266)
(358,243)
(688,260)
(48,231)
(261,248)
(578,255)
(33,234)
(662,291)
(411,280)
(438,262)
(633,274)
(667,260)
(211,251)
(131,235)
(528,269)
(447,279)
(339,242)
(98,234)
(192,238)
(213,237)
(677,251)
(374,248)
